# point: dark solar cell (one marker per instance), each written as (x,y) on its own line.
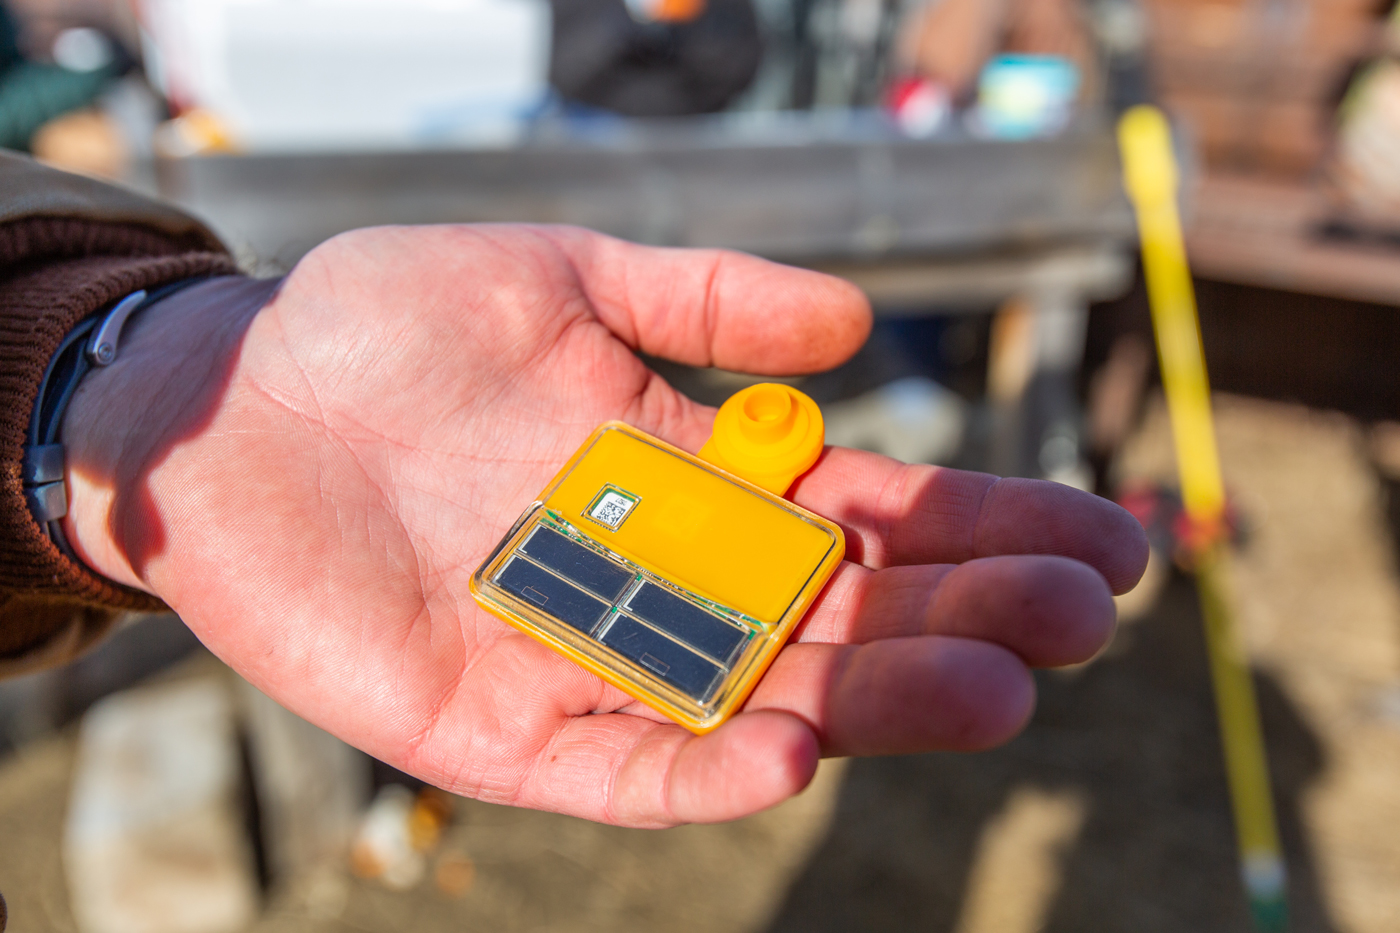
(570,559)
(673,663)
(689,623)
(568,604)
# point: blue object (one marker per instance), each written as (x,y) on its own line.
(1024,96)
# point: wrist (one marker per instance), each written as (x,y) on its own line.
(126,419)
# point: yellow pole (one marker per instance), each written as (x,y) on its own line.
(1150,177)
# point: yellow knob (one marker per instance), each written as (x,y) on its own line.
(767,415)
(768,434)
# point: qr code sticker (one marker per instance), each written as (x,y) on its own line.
(611,508)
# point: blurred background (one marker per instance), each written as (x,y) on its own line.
(955,159)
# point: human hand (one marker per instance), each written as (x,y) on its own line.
(309,474)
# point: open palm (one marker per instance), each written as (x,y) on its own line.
(316,471)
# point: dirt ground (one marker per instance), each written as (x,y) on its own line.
(1108,814)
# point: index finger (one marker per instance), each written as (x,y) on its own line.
(895,513)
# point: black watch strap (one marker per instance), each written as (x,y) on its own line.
(92,343)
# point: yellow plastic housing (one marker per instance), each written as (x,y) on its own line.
(672,579)
(770,434)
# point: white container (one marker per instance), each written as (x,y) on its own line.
(298,75)
(154,841)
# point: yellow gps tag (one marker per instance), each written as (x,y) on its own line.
(675,578)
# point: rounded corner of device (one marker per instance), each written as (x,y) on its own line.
(705,726)
(702,720)
(613,425)
(840,546)
(837,552)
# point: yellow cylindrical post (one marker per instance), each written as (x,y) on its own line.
(1150,176)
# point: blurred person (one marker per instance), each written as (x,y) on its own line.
(948,41)
(38,88)
(309,469)
(654,58)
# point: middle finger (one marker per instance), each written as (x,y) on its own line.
(1050,611)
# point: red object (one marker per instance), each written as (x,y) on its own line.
(1159,510)
(919,105)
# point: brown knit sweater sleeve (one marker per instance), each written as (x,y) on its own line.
(68,246)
